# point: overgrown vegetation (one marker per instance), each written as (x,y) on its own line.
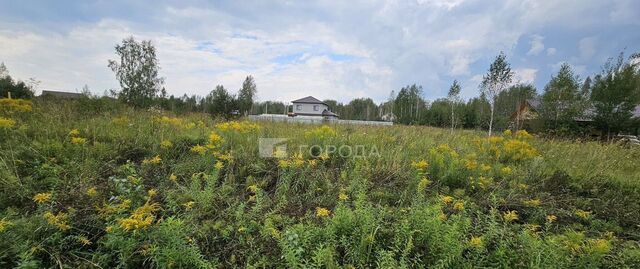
(93,183)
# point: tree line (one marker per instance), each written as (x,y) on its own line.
(568,105)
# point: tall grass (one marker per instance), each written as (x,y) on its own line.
(97,184)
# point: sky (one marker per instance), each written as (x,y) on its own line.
(337,50)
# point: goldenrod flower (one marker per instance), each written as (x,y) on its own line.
(485,168)
(43,197)
(476,242)
(108,229)
(4,224)
(442,217)
(423,184)
(506,170)
(141,218)
(188,205)
(447,200)
(420,165)
(532,202)
(551,218)
(510,215)
(253,188)
(218,165)
(343,196)
(155,160)
(152,193)
(322,212)
(84,241)
(92,192)
(199,149)
(60,220)
(585,215)
(507,132)
(166,144)
(78,140)
(74,133)
(6,122)
(458,206)
(173,177)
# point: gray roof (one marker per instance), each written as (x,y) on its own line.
(308,100)
(61,94)
(329,113)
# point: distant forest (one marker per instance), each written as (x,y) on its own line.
(607,103)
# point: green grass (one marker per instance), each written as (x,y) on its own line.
(229,207)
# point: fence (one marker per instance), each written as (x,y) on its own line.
(314,120)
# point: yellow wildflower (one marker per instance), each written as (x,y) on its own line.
(322,212)
(523,134)
(551,218)
(173,177)
(510,215)
(199,149)
(84,241)
(6,122)
(152,193)
(108,229)
(4,224)
(166,144)
(92,192)
(599,246)
(420,165)
(78,140)
(442,217)
(188,205)
(154,160)
(60,220)
(458,206)
(476,242)
(218,165)
(485,168)
(506,170)
(284,163)
(447,200)
(585,215)
(423,184)
(141,217)
(471,164)
(74,133)
(214,140)
(507,132)
(532,202)
(42,197)
(253,188)
(343,196)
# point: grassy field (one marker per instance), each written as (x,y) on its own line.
(94,184)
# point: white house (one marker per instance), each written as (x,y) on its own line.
(310,106)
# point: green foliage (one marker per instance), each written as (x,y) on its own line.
(139,192)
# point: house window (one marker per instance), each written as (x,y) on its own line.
(315,108)
(298,107)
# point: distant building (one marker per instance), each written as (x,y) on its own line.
(58,94)
(310,106)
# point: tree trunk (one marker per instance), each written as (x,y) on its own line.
(491,119)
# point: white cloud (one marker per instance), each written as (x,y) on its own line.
(537,45)
(524,75)
(587,46)
(551,51)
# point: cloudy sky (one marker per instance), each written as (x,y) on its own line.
(329,49)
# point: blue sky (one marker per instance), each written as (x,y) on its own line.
(329,49)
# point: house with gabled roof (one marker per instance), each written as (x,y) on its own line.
(310,106)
